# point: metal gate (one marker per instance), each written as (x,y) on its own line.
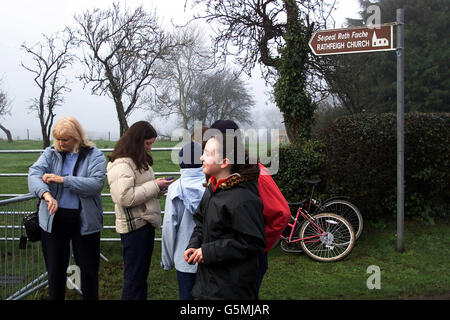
(22,271)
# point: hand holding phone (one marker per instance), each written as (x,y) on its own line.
(164,183)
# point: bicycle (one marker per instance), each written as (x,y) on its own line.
(324,236)
(340,205)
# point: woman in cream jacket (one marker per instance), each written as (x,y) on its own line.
(135,193)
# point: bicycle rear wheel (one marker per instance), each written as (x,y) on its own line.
(347,210)
(334,245)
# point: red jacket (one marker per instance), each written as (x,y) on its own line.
(276,209)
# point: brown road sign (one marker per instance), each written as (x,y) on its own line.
(352,40)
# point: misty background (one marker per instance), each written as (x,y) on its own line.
(24,21)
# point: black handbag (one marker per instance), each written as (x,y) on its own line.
(31,223)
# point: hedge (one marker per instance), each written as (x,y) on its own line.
(296,164)
(357,156)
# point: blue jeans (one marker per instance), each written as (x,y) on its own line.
(137,254)
(186,281)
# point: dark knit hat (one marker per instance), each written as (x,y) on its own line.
(189,156)
(223,125)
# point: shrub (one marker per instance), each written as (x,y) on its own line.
(361,161)
(297,163)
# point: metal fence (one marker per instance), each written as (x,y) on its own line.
(22,271)
(105,195)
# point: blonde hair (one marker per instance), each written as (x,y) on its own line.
(70,127)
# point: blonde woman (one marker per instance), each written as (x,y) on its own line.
(69,177)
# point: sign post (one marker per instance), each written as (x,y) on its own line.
(400,129)
(379,38)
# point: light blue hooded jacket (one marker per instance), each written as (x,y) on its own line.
(87,185)
(183,198)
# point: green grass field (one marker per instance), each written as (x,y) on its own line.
(19,163)
(420,271)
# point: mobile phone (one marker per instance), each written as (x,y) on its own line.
(169,178)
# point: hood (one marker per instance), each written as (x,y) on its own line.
(189,188)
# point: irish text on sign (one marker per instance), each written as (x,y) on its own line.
(352,40)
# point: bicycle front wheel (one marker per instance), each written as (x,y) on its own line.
(347,210)
(334,244)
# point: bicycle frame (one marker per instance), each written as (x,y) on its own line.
(316,233)
(306,216)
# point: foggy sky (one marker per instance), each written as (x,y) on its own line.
(26,20)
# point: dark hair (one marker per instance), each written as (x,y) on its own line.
(202,140)
(131,145)
(189,156)
(224,125)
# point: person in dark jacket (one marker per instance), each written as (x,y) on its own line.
(229,233)
(276,209)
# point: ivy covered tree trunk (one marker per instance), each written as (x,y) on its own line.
(274,33)
(291,94)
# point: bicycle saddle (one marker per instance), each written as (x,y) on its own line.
(314,182)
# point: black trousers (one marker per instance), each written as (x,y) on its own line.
(56,249)
(262,268)
(137,252)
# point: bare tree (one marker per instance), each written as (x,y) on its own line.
(124,51)
(184,67)
(254,31)
(50,58)
(5,109)
(273,34)
(221,95)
